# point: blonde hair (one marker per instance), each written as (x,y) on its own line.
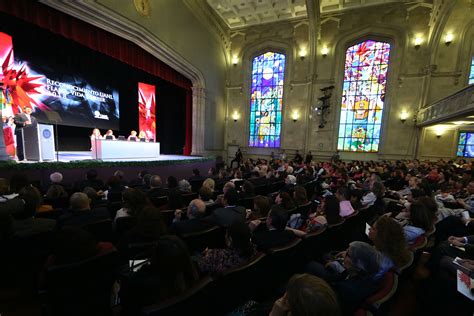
(209,183)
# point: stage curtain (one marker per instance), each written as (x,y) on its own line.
(104,42)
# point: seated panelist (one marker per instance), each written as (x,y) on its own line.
(133,136)
(142,136)
(109,135)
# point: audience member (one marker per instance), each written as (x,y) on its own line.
(81,213)
(194,223)
(230,213)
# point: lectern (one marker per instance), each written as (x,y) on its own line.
(38,142)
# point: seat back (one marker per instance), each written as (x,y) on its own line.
(386,289)
(54,214)
(194,301)
(313,244)
(168,216)
(275,186)
(196,185)
(113,207)
(246,202)
(419,243)
(209,238)
(159,201)
(124,224)
(261,189)
(304,209)
(81,288)
(102,230)
(58,202)
(238,285)
(189,197)
(284,262)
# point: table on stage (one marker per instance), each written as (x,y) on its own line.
(121,149)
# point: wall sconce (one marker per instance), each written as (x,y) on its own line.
(235,116)
(324,51)
(235,60)
(448,39)
(417,42)
(403,116)
(303,53)
(439,131)
(295,115)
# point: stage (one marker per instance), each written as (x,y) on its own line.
(74,164)
(69,156)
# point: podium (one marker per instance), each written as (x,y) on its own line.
(38,142)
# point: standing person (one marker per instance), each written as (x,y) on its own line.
(95,136)
(23,120)
(298,158)
(309,157)
(335,158)
(238,158)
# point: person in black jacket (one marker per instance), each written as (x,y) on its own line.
(274,234)
(230,213)
(195,212)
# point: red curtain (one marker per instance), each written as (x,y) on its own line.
(104,42)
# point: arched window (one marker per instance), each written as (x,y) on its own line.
(266,100)
(471,74)
(363,94)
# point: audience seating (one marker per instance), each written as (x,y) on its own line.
(261,189)
(168,216)
(313,244)
(113,207)
(102,230)
(194,301)
(58,202)
(387,288)
(246,202)
(196,185)
(81,288)
(419,243)
(159,201)
(123,224)
(210,238)
(275,186)
(54,214)
(304,210)
(238,285)
(188,197)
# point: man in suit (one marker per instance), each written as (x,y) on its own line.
(274,234)
(230,213)
(23,120)
(81,213)
(156,188)
(194,223)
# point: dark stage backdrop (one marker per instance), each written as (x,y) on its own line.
(41,47)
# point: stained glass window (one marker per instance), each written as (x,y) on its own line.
(471,74)
(465,145)
(363,94)
(266,100)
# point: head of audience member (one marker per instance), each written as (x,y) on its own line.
(238,237)
(332,210)
(172,182)
(32,198)
(342,194)
(184,186)
(284,199)
(134,201)
(91,175)
(142,174)
(114,183)
(150,224)
(228,185)
(238,174)
(175,200)
(205,194)
(415,194)
(308,295)
(56,191)
(388,237)
(300,196)
(119,174)
(147,179)
(196,172)
(277,218)
(155,182)
(470,187)
(420,216)
(231,197)
(248,188)
(361,258)
(56,177)
(378,189)
(172,263)
(261,206)
(91,194)
(209,183)
(18,181)
(290,179)
(4,186)
(196,209)
(80,202)
(73,245)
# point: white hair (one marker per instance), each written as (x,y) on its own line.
(56,177)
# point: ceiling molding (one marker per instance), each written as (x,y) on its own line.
(109,20)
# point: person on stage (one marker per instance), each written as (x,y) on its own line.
(133,137)
(109,135)
(23,120)
(142,137)
(95,136)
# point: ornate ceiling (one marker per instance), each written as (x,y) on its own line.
(243,13)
